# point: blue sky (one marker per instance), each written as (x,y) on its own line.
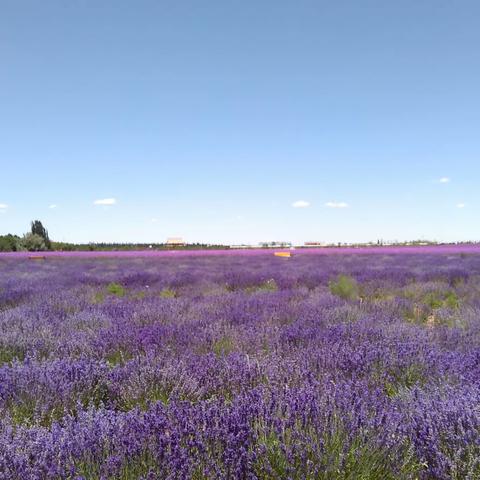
(209,120)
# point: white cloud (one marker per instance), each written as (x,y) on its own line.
(461,205)
(300,204)
(3,206)
(336,205)
(154,220)
(105,201)
(444,180)
(52,206)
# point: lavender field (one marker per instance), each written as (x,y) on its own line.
(352,366)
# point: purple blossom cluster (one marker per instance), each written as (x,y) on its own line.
(351,366)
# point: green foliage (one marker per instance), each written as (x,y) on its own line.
(465,462)
(31,242)
(38,229)
(100,247)
(96,396)
(143,398)
(451,300)
(266,286)
(118,357)
(26,412)
(63,246)
(345,287)
(223,346)
(8,243)
(404,379)
(269,286)
(22,412)
(116,289)
(331,455)
(138,466)
(99,297)
(168,293)
(9,353)
(435,300)
(424,305)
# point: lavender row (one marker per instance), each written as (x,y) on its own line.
(354,366)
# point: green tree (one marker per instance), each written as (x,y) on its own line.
(8,243)
(38,229)
(32,243)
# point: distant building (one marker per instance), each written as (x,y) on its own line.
(175,242)
(314,244)
(276,244)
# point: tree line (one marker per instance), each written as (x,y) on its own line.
(37,240)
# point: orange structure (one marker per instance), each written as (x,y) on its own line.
(283,254)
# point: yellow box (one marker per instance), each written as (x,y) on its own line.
(283,254)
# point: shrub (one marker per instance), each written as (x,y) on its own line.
(436,300)
(168,293)
(223,346)
(8,243)
(345,287)
(451,300)
(31,242)
(116,289)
